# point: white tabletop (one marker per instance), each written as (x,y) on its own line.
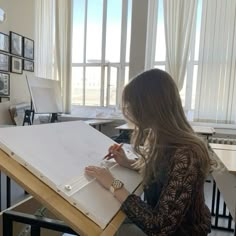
(228,158)
(223,146)
(203,130)
(97,122)
(126,126)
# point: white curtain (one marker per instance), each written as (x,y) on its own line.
(44,35)
(151,34)
(63,45)
(179,19)
(216,80)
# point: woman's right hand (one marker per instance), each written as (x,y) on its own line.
(119,156)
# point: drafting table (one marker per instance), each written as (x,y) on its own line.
(54,156)
(54,202)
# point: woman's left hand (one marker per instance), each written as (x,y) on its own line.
(103,175)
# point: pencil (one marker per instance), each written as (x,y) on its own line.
(116,148)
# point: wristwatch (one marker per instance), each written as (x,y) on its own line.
(116,184)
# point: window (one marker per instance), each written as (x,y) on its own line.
(101,42)
(101,39)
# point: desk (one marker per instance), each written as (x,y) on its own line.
(228,159)
(126,126)
(204,130)
(225,180)
(208,131)
(94,123)
(223,146)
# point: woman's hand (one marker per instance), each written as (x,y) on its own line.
(103,175)
(105,178)
(119,156)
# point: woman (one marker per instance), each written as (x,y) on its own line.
(174,162)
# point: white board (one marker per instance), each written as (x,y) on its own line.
(45,94)
(58,153)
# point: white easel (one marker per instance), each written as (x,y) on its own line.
(45,96)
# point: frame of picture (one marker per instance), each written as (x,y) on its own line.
(16,44)
(28,48)
(4,42)
(4,62)
(16,65)
(28,65)
(4,85)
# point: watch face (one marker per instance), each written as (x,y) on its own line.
(117,184)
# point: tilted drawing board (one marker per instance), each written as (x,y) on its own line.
(58,153)
(45,95)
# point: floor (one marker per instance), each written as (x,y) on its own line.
(18,194)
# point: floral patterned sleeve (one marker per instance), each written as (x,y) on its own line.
(174,201)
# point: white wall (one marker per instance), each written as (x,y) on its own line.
(138,37)
(20,19)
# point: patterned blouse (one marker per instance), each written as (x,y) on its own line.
(175,203)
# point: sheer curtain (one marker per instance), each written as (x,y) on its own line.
(215,95)
(63,46)
(44,35)
(53,44)
(179,19)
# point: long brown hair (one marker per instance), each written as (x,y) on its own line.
(151,101)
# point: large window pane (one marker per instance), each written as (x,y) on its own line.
(94,30)
(126,75)
(161,67)
(78,31)
(114,10)
(113,85)
(77,85)
(92,86)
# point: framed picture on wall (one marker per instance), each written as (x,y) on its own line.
(4,62)
(16,65)
(4,42)
(28,65)
(28,48)
(4,85)
(16,44)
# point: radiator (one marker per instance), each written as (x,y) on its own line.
(229,141)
